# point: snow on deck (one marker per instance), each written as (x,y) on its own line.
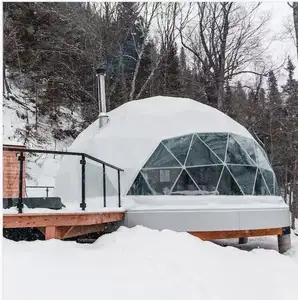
(140,263)
(153,203)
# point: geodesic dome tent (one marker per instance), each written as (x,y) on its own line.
(186,160)
(168,146)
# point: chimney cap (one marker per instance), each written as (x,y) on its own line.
(101,69)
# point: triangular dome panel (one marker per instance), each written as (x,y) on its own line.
(269,179)
(179,147)
(262,160)
(206,177)
(245,177)
(162,158)
(227,185)
(185,185)
(200,155)
(236,155)
(140,187)
(217,142)
(247,145)
(260,185)
(161,180)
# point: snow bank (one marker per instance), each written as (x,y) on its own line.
(140,263)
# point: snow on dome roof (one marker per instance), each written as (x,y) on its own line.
(134,131)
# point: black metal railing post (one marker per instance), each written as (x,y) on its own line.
(20,205)
(104,185)
(47,192)
(119,191)
(83,163)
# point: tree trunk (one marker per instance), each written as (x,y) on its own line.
(136,72)
(295,16)
(294,203)
(286,186)
(6,85)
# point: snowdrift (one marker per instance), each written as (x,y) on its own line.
(140,263)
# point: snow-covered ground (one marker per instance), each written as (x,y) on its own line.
(140,263)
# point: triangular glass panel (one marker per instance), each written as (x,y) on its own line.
(206,178)
(161,180)
(247,145)
(227,185)
(245,177)
(262,161)
(179,147)
(217,142)
(140,187)
(185,185)
(200,154)
(161,158)
(260,186)
(269,179)
(235,154)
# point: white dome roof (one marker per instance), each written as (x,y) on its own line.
(133,132)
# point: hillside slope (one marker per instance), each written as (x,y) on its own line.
(51,133)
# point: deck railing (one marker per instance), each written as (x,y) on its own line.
(83,160)
(45,187)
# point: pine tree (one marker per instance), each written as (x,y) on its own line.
(274,98)
(168,76)
(228,100)
(240,104)
(290,124)
(146,66)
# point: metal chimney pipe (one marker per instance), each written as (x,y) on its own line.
(101,92)
(98,93)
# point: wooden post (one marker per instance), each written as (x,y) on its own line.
(50,232)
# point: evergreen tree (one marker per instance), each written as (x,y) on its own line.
(240,104)
(146,66)
(228,100)
(274,98)
(169,72)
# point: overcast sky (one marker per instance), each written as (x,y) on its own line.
(279,49)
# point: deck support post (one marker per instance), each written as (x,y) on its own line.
(243,240)
(284,240)
(50,232)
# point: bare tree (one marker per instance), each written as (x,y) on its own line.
(150,11)
(225,37)
(294,6)
(166,34)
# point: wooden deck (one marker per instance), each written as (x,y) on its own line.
(217,235)
(67,225)
(63,225)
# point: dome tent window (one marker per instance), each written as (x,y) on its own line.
(208,163)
